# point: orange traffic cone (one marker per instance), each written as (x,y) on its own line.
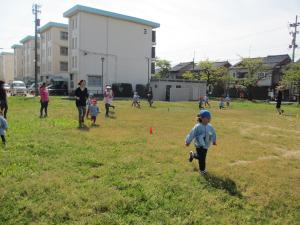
(151,130)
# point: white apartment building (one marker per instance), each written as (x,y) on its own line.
(108,48)
(18,62)
(29,57)
(54,51)
(7,66)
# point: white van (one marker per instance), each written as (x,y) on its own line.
(18,88)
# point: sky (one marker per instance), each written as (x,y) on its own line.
(205,29)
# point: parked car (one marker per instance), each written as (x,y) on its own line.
(31,88)
(57,89)
(6,88)
(18,88)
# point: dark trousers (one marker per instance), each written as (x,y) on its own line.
(93,119)
(4,108)
(107,106)
(44,107)
(3,139)
(200,154)
(81,114)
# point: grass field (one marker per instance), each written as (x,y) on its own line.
(54,173)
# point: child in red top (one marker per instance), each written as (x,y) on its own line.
(44,95)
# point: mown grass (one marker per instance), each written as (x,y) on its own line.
(117,173)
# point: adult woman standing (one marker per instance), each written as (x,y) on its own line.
(44,100)
(3,99)
(81,94)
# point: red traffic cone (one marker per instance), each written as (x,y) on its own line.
(151,130)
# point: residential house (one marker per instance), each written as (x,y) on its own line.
(267,79)
(54,51)
(18,62)
(29,58)
(178,70)
(109,48)
(7,66)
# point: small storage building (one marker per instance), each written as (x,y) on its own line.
(177,90)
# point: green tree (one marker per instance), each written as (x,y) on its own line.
(291,75)
(164,68)
(252,66)
(189,75)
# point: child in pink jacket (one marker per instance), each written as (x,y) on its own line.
(44,95)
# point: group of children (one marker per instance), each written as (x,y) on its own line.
(136,99)
(204,102)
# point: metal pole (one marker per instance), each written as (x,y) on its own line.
(102,61)
(35,11)
(294,39)
(148,61)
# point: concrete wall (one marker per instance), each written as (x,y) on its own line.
(179,91)
(28,59)
(122,44)
(18,63)
(50,52)
(7,67)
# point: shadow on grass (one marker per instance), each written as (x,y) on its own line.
(85,128)
(223,184)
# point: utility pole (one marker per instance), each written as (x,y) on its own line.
(102,61)
(294,35)
(194,62)
(35,11)
(148,62)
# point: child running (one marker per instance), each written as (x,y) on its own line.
(222,103)
(206,101)
(3,127)
(94,110)
(227,100)
(88,104)
(204,134)
(136,100)
(201,101)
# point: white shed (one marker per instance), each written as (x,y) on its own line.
(177,90)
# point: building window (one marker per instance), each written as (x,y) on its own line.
(178,86)
(153,52)
(63,66)
(49,66)
(153,36)
(48,36)
(155,85)
(153,68)
(75,22)
(74,61)
(74,43)
(63,35)
(48,51)
(64,51)
(94,81)
(145,31)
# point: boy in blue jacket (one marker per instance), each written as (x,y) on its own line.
(204,134)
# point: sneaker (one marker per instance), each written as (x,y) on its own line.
(191,157)
(203,172)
